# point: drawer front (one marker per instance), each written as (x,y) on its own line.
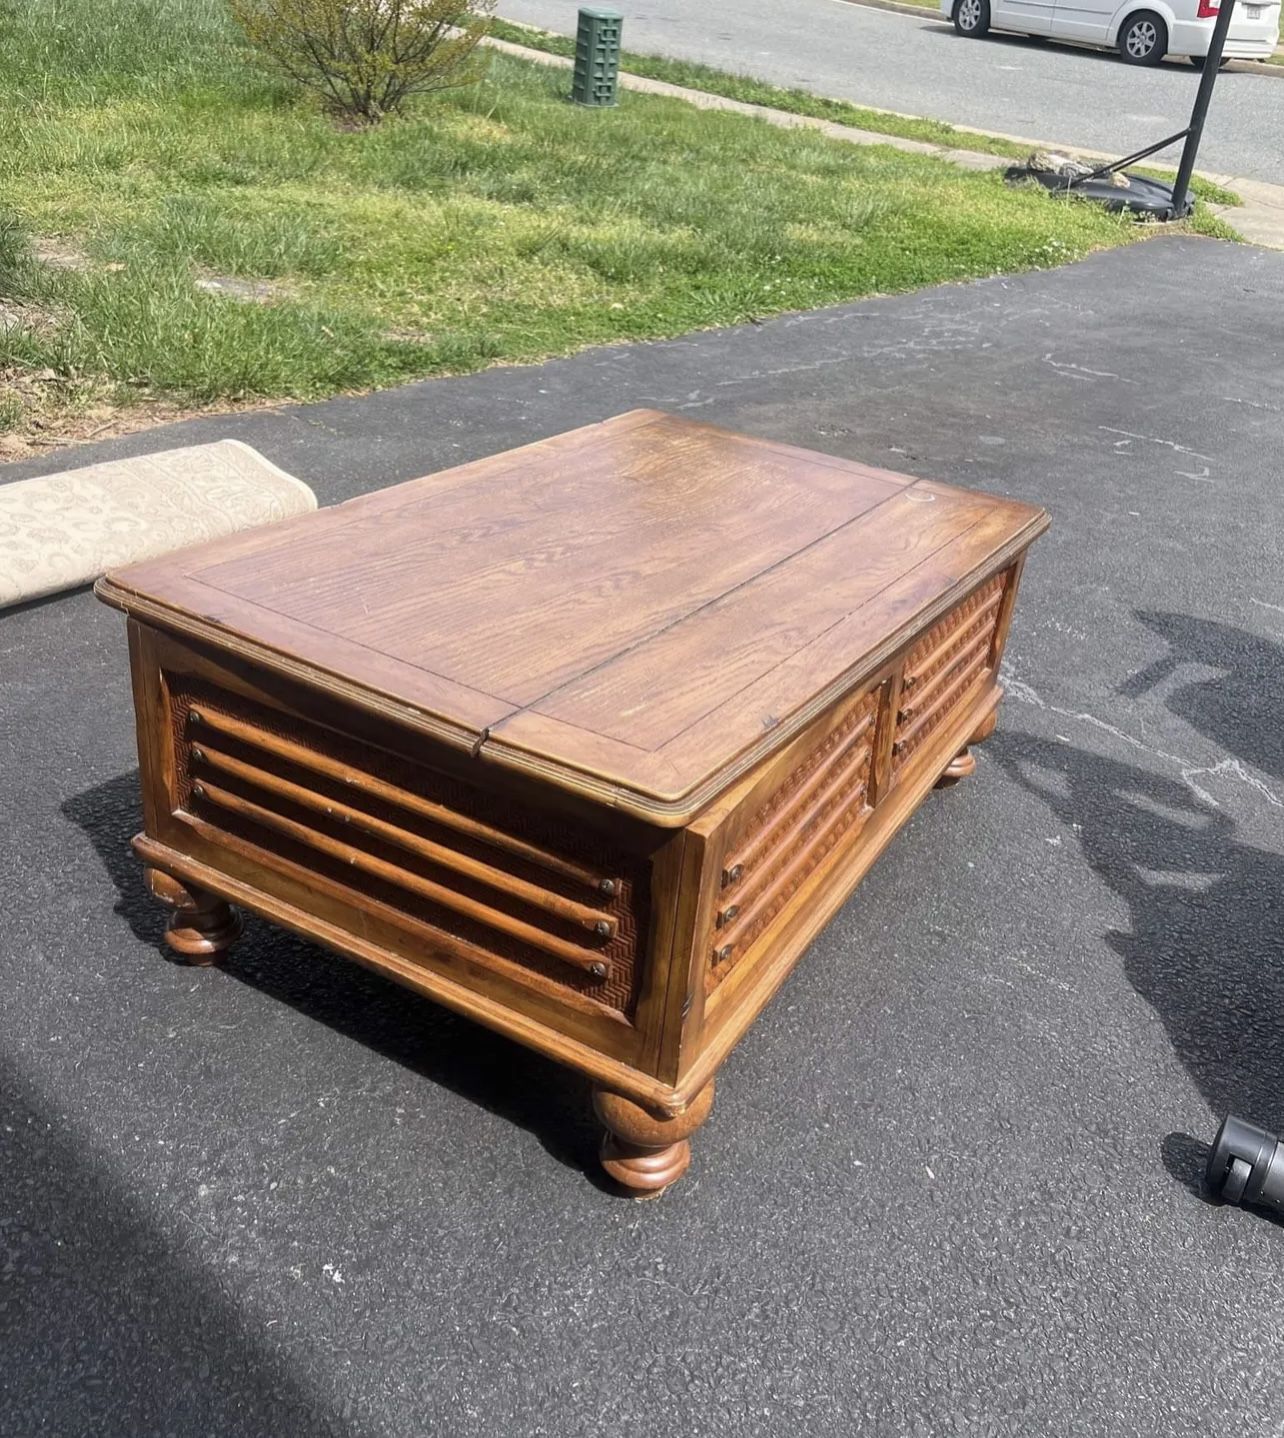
(944,667)
(552,905)
(821,802)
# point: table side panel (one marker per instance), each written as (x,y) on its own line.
(775,842)
(797,825)
(945,664)
(287,793)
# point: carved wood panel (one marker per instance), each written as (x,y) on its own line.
(820,801)
(944,665)
(524,887)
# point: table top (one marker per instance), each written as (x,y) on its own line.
(638,609)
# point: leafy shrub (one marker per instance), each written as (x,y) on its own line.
(367,57)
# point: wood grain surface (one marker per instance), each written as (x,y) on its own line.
(639,610)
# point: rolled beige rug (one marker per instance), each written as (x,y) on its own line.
(66,529)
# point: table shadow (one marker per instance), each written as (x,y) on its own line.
(513,1082)
(105,1328)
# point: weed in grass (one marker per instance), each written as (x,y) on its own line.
(12,249)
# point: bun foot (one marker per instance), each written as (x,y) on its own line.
(645,1173)
(201,925)
(985,728)
(645,1152)
(963,763)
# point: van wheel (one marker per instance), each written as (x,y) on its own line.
(1143,40)
(972,18)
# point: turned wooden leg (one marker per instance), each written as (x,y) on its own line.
(201,925)
(964,762)
(646,1152)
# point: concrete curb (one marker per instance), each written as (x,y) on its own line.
(1259,220)
(898,7)
(785,119)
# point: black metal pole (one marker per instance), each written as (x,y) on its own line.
(1198,115)
(1112,165)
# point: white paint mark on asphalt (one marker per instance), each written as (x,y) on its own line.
(1252,403)
(1039,974)
(1203,476)
(1080,371)
(1227,767)
(1020,691)
(1236,768)
(1262,604)
(1154,439)
(1116,733)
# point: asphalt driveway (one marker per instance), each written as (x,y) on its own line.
(1055,93)
(948,1186)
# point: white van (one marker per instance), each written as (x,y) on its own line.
(1143,31)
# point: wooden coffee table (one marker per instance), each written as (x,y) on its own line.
(586,741)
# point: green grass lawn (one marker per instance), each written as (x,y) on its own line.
(803,102)
(495,223)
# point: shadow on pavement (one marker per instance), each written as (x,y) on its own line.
(513,1082)
(1186,1158)
(1240,707)
(104,1328)
(1204,947)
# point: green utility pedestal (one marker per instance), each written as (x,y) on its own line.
(597,58)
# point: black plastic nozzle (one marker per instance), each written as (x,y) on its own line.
(1246,1165)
